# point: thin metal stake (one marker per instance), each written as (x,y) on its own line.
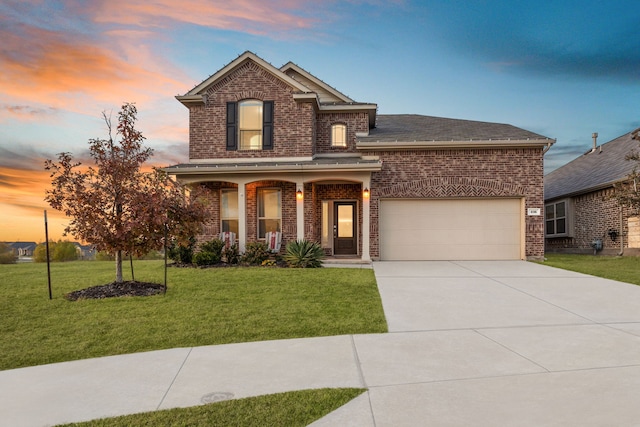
(46,240)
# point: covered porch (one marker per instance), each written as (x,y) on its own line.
(326,203)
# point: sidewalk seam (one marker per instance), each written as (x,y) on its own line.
(175,377)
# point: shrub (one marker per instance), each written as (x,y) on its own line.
(255,253)
(58,251)
(214,247)
(205,258)
(7,256)
(210,253)
(231,254)
(304,254)
(182,252)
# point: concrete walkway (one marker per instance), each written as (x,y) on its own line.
(505,343)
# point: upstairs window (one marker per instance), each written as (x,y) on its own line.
(557,219)
(250,125)
(339,135)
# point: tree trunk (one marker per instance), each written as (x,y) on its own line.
(119,267)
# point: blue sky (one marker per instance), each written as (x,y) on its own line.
(563,69)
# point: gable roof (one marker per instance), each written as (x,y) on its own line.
(412,130)
(594,170)
(306,87)
(314,84)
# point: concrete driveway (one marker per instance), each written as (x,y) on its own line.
(501,344)
(470,344)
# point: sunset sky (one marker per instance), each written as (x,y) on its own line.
(563,69)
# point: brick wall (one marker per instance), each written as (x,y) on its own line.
(463,173)
(294,123)
(356,122)
(593,215)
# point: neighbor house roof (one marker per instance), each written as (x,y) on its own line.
(407,130)
(596,169)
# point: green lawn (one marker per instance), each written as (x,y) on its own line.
(624,269)
(297,408)
(201,307)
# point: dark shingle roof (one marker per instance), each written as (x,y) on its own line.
(593,170)
(413,127)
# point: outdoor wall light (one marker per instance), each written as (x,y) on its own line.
(299,195)
(365,193)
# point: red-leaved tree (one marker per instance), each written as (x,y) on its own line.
(115,205)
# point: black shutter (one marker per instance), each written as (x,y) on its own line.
(232,126)
(267,125)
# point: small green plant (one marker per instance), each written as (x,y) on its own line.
(182,252)
(269,263)
(231,254)
(205,258)
(304,254)
(210,253)
(255,253)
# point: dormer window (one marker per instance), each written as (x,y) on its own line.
(250,125)
(339,135)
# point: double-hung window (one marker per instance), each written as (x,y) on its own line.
(250,125)
(229,210)
(269,211)
(557,219)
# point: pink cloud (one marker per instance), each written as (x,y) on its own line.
(255,17)
(54,68)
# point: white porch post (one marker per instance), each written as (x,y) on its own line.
(366,219)
(242,217)
(300,211)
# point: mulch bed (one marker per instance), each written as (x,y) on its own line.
(114,290)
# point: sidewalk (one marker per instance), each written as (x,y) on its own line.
(470,343)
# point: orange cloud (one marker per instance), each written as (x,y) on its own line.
(55,69)
(254,17)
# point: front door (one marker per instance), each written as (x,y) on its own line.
(345,241)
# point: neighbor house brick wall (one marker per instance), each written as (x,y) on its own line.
(470,173)
(356,122)
(593,215)
(294,123)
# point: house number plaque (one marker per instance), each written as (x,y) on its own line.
(533,211)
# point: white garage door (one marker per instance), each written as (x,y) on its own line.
(461,229)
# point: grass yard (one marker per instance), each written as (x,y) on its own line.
(624,269)
(298,408)
(201,307)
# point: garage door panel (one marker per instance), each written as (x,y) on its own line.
(450,229)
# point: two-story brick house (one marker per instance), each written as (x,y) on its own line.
(284,151)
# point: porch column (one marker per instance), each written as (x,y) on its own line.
(300,211)
(366,219)
(242,217)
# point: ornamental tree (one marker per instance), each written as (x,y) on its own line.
(115,205)
(627,192)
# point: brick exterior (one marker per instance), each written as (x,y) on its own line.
(434,174)
(356,122)
(294,123)
(593,215)
(301,131)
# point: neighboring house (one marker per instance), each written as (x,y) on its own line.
(580,210)
(23,249)
(85,252)
(284,151)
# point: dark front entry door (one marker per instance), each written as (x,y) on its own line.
(345,241)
